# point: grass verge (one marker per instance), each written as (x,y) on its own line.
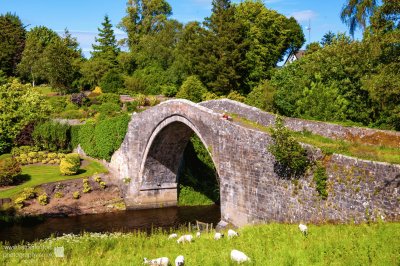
(271,244)
(40,174)
(188,196)
(329,146)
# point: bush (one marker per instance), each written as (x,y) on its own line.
(24,137)
(76,195)
(75,136)
(234,95)
(52,136)
(262,97)
(103,185)
(106,108)
(132,106)
(192,89)
(70,164)
(58,195)
(43,199)
(112,81)
(290,156)
(9,170)
(86,187)
(169,90)
(141,99)
(73,114)
(79,99)
(320,178)
(153,100)
(108,98)
(207,96)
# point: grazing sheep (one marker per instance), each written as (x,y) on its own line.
(238,256)
(164,261)
(185,238)
(180,261)
(198,234)
(172,236)
(232,233)
(218,236)
(303,228)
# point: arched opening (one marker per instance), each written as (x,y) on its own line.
(178,168)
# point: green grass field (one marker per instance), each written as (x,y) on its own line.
(271,244)
(329,146)
(40,174)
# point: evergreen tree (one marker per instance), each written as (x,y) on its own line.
(106,46)
(12,42)
(328,38)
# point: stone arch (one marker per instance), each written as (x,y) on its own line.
(159,169)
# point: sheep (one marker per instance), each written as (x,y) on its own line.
(180,261)
(172,236)
(198,234)
(303,228)
(163,261)
(232,233)
(238,256)
(185,238)
(218,236)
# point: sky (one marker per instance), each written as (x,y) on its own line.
(83,17)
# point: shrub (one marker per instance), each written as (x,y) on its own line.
(234,95)
(79,99)
(70,164)
(169,90)
(52,136)
(24,137)
(19,202)
(108,98)
(9,170)
(58,195)
(43,199)
(192,89)
(74,136)
(28,193)
(52,155)
(86,188)
(103,184)
(262,96)
(207,96)
(32,154)
(76,195)
(132,106)
(73,114)
(112,81)
(141,99)
(106,108)
(97,90)
(290,156)
(153,100)
(320,178)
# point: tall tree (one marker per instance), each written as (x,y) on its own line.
(328,38)
(12,42)
(355,13)
(106,43)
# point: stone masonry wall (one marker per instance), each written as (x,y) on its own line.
(250,190)
(329,130)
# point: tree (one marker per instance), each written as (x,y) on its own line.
(355,13)
(106,46)
(192,89)
(12,43)
(19,106)
(328,38)
(32,66)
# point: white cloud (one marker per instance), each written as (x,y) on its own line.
(303,15)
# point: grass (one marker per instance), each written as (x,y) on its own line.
(40,174)
(329,146)
(271,244)
(45,90)
(188,196)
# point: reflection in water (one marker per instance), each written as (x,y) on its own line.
(111,222)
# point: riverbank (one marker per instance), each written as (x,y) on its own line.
(271,244)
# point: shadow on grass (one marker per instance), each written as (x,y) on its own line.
(81,171)
(22,178)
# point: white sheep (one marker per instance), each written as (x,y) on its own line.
(232,233)
(163,261)
(185,238)
(218,236)
(239,256)
(303,228)
(172,236)
(198,234)
(180,261)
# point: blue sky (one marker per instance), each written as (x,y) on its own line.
(83,17)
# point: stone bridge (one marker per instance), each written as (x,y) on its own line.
(148,161)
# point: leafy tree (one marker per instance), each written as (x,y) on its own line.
(328,38)
(9,170)
(93,70)
(262,96)
(192,89)
(106,46)
(12,43)
(356,12)
(112,81)
(19,106)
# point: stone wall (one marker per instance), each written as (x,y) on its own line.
(366,135)
(250,190)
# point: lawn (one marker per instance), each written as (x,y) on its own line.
(270,244)
(329,146)
(40,174)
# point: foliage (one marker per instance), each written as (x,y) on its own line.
(43,199)
(19,106)
(234,95)
(24,137)
(320,179)
(79,99)
(40,174)
(101,139)
(97,90)
(9,171)
(74,141)
(356,12)
(58,195)
(106,44)
(86,187)
(192,89)
(188,196)
(70,164)
(76,195)
(103,185)
(108,98)
(112,81)
(106,108)
(28,193)
(169,90)
(291,157)
(12,43)
(262,96)
(52,136)
(153,100)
